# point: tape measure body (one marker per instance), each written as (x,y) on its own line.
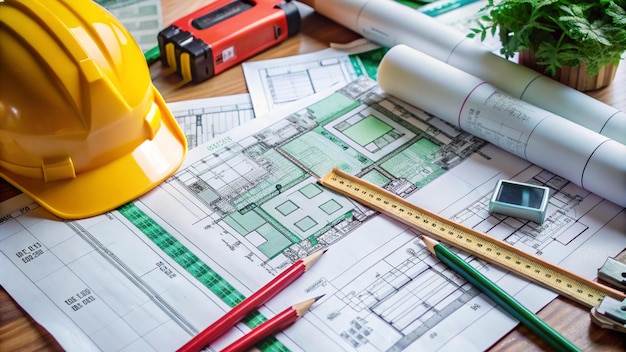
(481,245)
(223,33)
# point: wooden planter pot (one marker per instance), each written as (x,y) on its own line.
(575,77)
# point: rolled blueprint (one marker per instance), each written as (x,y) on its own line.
(584,157)
(388,23)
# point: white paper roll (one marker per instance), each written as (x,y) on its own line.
(389,23)
(584,157)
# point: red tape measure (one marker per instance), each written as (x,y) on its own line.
(224,33)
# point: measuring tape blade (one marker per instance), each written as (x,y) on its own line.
(535,269)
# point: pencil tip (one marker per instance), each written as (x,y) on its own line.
(429,242)
(304,306)
(312,258)
(319,297)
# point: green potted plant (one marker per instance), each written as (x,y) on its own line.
(578,42)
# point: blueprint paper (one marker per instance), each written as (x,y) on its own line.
(571,151)
(276,82)
(204,119)
(243,207)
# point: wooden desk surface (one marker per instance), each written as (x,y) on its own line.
(19,332)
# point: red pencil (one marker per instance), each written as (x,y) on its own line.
(272,326)
(249,304)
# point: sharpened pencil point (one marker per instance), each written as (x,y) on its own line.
(318,297)
(303,307)
(429,242)
(312,258)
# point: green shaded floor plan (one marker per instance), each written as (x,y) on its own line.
(155,272)
(264,186)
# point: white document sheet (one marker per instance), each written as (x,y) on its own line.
(155,272)
(204,119)
(276,82)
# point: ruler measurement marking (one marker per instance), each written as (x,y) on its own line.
(494,251)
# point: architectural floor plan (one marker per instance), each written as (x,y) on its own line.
(243,207)
(204,119)
(277,82)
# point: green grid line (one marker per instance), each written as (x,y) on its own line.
(197,268)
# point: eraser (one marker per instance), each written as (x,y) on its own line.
(520,200)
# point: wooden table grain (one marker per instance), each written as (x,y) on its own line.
(19,332)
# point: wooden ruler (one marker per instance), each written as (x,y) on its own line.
(533,268)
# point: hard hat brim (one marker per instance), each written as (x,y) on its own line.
(103,189)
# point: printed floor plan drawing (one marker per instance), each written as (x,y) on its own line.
(246,205)
(277,82)
(204,119)
(377,140)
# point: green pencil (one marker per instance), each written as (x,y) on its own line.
(498,295)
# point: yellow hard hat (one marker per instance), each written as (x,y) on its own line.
(82,128)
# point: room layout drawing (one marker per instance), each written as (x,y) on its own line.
(247,205)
